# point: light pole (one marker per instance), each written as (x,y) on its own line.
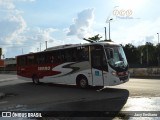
(109,29)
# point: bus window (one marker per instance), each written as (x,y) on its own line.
(30,59)
(41,59)
(67,55)
(22,61)
(96,61)
(83,53)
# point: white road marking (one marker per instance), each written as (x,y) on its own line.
(8,79)
(3,102)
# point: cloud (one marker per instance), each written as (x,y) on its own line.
(13,27)
(138,34)
(7,4)
(39,36)
(12,23)
(42,35)
(143,41)
(82,25)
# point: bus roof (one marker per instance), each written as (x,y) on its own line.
(78,45)
(61,47)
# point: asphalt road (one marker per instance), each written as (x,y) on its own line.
(140,94)
(142,87)
(144,98)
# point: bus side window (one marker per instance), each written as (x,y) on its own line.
(86,53)
(74,55)
(68,55)
(30,59)
(41,59)
(22,61)
(62,56)
(83,53)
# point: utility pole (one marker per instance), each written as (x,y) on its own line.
(40,47)
(105,33)
(46,44)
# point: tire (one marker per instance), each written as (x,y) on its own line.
(82,82)
(35,80)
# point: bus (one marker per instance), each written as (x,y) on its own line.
(92,64)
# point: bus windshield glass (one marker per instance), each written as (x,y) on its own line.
(116,57)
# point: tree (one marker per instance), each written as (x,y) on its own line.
(147,54)
(131,54)
(93,39)
(142,55)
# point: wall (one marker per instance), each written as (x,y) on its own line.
(145,72)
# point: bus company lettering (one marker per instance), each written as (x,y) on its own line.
(44,68)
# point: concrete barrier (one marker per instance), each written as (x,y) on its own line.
(8,72)
(144,72)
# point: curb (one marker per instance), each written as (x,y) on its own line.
(146,77)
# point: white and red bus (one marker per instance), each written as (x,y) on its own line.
(93,64)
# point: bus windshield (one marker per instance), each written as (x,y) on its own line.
(116,58)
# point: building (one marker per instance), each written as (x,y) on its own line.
(8,64)
(1,65)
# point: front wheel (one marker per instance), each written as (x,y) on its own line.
(82,82)
(35,80)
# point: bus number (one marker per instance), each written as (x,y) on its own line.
(44,68)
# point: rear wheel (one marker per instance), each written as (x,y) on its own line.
(35,80)
(82,82)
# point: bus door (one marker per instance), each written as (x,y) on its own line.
(96,66)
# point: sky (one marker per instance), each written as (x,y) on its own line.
(26,25)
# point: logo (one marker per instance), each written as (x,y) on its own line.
(22,114)
(121,13)
(6,114)
(97,73)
